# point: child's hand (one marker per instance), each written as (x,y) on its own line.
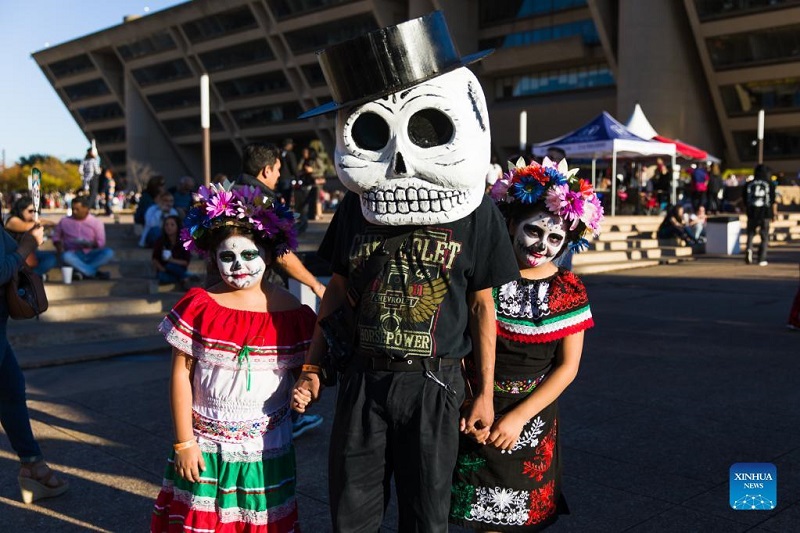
(505,431)
(300,399)
(189,463)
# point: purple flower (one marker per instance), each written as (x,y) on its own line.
(565,203)
(499,190)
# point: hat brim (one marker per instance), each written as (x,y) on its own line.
(335,106)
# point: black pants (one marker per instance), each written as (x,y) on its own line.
(301,206)
(754,223)
(394,423)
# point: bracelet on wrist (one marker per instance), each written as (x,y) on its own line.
(178,446)
(314,369)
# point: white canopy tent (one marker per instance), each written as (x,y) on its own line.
(604,138)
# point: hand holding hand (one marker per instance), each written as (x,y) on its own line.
(306,391)
(477,418)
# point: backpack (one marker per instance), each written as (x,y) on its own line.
(700,179)
(758,194)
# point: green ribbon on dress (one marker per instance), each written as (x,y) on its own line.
(244,354)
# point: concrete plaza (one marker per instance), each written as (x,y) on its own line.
(689,370)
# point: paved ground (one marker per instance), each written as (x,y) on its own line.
(688,371)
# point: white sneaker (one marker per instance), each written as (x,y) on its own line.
(762,263)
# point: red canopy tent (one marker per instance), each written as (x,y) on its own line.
(684,150)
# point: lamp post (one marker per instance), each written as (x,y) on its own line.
(760,136)
(205,124)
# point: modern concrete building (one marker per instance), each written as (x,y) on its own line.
(700,69)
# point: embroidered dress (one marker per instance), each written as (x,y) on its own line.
(241,388)
(521,490)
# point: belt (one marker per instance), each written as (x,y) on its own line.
(411,364)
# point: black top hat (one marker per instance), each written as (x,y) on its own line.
(388,60)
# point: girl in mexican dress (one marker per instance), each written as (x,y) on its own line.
(511,479)
(235,346)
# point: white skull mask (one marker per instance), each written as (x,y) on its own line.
(240,262)
(538,239)
(417,156)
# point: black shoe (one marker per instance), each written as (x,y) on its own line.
(102,275)
(78,276)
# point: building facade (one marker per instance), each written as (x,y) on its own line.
(695,67)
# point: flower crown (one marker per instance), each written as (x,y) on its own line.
(219,205)
(559,191)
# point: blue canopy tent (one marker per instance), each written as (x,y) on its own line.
(604,137)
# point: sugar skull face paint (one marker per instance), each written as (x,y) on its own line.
(240,262)
(538,239)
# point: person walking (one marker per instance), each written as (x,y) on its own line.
(759,202)
(89,170)
(234,348)
(541,319)
(36,479)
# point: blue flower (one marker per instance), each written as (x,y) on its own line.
(556,177)
(527,190)
(579,246)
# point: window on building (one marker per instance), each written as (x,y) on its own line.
(220,24)
(324,35)
(158,42)
(178,127)
(714,9)
(554,81)
(747,98)
(101,112)
(270,82)
(313,74)
(493,12)
(238,55)
(109,136)
(771,45)
(176,69)
(585,28)
(87,89)
(175,99)
(778,144)
(71,66)
(291,8)
(266,115)
(116,158)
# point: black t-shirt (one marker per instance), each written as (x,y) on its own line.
(418,305)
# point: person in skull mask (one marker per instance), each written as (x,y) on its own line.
(413,145)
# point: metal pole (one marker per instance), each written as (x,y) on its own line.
(675,173)
(613,181)
(205,124)
(760,136)
(523,133)
(594,173)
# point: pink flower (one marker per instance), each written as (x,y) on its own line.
(221,204)
(565,203)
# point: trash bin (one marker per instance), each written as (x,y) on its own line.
(722,235)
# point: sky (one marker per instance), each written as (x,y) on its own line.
(33,119)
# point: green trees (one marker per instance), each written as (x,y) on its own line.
(57,175)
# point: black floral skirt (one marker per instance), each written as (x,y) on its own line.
(519,490)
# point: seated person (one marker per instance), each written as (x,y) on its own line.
(183,195)
(673,227)
(80,241)
(154,218)
(695,224)
(170,258)
(21,220)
